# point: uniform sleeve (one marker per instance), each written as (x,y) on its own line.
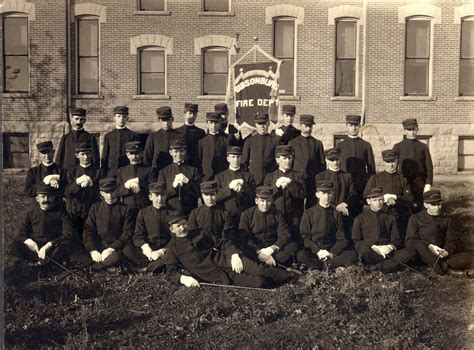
(297,188)
(341,239)
(370,160)
(171,261)
(246,152)
(69,230)
(357,233)
(245,231)
(127,231)
(394,233)
(26,229)
(305,230)
(140,236)
(429,166)
(30,183)
(121,191)
(223,192)
(451,237)
(283,232)
(60,153)
(106,152)
(412,237)
(148,151)
(72,187)
(322,158)
(89,235)
(95,151)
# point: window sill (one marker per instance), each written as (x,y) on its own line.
(88,97)
(18,95)
(289,98)
(212,97)
(418,98)
(346,98)
(152,13)
(464,98)
(216,14)
(152,97)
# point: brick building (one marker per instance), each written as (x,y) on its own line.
(385,60)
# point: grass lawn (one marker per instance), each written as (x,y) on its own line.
(347,309)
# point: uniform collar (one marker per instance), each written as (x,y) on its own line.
(353,137)
(47,165)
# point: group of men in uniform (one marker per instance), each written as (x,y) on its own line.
(271,201)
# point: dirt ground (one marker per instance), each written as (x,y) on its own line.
(345,309)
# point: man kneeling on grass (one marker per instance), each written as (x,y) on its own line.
(215,268)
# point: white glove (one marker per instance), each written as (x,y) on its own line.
(343,208)
(84,181)
(270,261)
(53,177)
(383,250)
(31,245)
(234,184)
(156,254)
(96,256)
(323,255)
(131,182)
(438,250)
(264,253)
(176,183)
(135,188)
(106,253)
(426,188)
(279,132)
(283,182)
(146,250)
(189,281)
(184,178)
(42,251)
(236,263)
(388,196)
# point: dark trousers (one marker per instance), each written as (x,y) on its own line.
(457,261)
(136,256)
(389,263)
(346,258)
(61,253)
(85,260)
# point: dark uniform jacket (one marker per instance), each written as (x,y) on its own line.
(145,176)
(235,136)
(235,202)
(108,225)
(80,199)
(358,160)
(35,176)
(309,156)
(156,153)
(113,151)
(321,228)
(343,187)
(414,160)
(377,228)
(152,227)
(426,229)
(182,198)
(289,133)
(259,155)
(212,154)
(260,230)
(65,155)
(191,135)
(291,199)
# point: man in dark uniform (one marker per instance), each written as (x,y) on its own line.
(212,149)
(376,238)
(113,151)
(357,157)
(236,186)
(287,131)
(108,228)
(65,157)
(46,230)
(151,231)
(323,233)
(48,172)
(259,150)
(133,179)
(157,145)
(191,134)
(182,180)
(414,162)
(264,233)
(398,200)
(433,235)
(235,136)
(309,156)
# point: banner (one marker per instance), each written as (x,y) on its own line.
(255,91)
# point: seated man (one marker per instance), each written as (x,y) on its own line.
(264,233)
(376,238)
(108,228)
(434,237)
(45,231)
(151,231)
(236,186)
(324,237)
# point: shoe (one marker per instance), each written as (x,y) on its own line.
(457,273)
(113,270)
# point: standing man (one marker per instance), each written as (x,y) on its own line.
(415,162)
(65,157)
(287,131)
(235,136)
(309,156)
(113,151)
(191,134)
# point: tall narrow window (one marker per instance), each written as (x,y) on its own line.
(152,71)
(15,54)
(466,65)
(88,55)
(284,49)
(346,41)
(216,5)
(417,56)
(151,5)
(215,66)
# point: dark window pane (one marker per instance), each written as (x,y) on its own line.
(88,75)
(15,35)
(153,61)
(416,77)
(286,80)
(216,61)
(284,40)
(346,39)
(466,77)
(153,83)
(152,5)
(467,37)
(16,151)
(216,5)
(16,74)
(88,37)
(215,84)
(345,77)
(418,38)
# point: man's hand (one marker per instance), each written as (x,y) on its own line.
(426,188)
(156,254)
(31,245)
(265,252)
(106,253)
(236,263)
(52,180)
(270,261)
(279,132)
(343,208)
(42,251)
(236,185)
(189,281)
(324,255)
(135,188)
(96,256)
(146,250)
(438,251)
(383,250)
(390,199)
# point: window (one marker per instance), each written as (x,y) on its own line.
(16,150)
(88,55)
(215,67)
(284,29)
(417,56)
(216,5)
(346,39)
(466,64)
(151,5)
(152,75)
(466,153)
(15,54)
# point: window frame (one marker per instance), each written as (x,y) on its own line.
(470,19)
(77,56)
(462,138)
(7,136)
(139,71)
(295,45)
(203,73)
(203,8)
(139,9)
(356,58)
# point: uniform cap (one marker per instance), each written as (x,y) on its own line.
(121,110)
(324,186)
(177,144)
(234,150)
(77,111)
(410,123)
(83,147)
(265,192)
(353,119)
(283,151)
(107,184)
(208,187)
(44,147)
(332,153)
(213,117)
(261,118)
(389,155)
(288,109)
(373,192)
(44,189)
(307,119)
(157,187)
(133,146)
(164,113)
(432,196)
(221,108)
(176,217)
(191,107)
